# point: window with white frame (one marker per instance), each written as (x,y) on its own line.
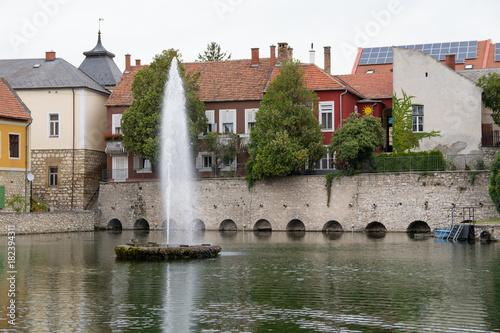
(207,161)
(250,119)
(116,124)
(142,164)
(53,176)
(53,125)
(14,145)
(418,118)
(227,121)
(326,115)
(326,163)
(211,125)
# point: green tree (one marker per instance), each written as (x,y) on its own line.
(141,122)
(356,141)
(403,137)
(491,85)
(213,53)
(286,135)
(224,148)
(494,187)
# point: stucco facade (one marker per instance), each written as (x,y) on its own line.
(452,104)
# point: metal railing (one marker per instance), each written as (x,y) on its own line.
(429,163)
(491,139)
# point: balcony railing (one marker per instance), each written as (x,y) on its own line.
(491,139)
(115,147)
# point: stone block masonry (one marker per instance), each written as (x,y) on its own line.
(88,166)
(395,200)
(61,221)
(14,183)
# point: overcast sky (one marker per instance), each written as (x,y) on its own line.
(145,28)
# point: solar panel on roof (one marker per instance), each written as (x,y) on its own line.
(462,50)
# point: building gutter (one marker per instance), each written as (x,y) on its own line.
(73,157)
(26,159)
(345,92)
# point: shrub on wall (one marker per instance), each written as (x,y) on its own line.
(413,161)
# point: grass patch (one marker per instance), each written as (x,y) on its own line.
(495,220)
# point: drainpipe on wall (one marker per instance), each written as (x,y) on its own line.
(345,92)
(73,158)
(26,160)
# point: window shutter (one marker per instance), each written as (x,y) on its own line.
(199,161)
(137,161)
(2,196)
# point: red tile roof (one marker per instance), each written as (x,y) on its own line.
(231,80)
(317,79)
(122,95)
(371,86)
(11,105)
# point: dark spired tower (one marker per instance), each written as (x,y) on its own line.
(100,66)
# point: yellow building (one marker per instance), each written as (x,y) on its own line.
(15,152)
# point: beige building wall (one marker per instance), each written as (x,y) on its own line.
(452,103)
(89,118)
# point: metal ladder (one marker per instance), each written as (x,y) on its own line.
(455,232)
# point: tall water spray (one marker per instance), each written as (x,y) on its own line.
(176,160)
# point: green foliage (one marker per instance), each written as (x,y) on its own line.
(39,207)
(329,179)
(356,141)
(403,137)
(213,53)
(286,135)
(480,165)
(494,187)
(413,161)
(141,122)
(17,202)
(491,85)
(224,149)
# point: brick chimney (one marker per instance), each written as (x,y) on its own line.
(450,61)
(283,52)
(50,56)
(328,59)
(127,62)
(137,62)
(255,57)
(273,55)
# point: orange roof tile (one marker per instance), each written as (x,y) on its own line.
(11,105)
(370,85)
(317,79)
(122,95)
(231,80)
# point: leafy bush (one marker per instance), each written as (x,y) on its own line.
(17,203)
(413,161)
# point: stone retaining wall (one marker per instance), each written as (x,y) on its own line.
(394,200)
(60,221)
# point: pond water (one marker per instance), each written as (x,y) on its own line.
(267,282)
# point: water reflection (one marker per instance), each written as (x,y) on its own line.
(271,281)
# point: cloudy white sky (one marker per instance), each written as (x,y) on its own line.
(145,28)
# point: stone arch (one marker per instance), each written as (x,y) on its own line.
(262,225)
(418,227)
(227,225)
(332,226)
(295,225)
(197,225)
(375,227)
(114,224)
(141,224)
(172,225)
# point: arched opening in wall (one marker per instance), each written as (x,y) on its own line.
(114,224)
(197,225)
(141,224)
(375,227)
(418,227)
(295,225)
(172,225)
(332,226)
(262,225)
(227,225)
